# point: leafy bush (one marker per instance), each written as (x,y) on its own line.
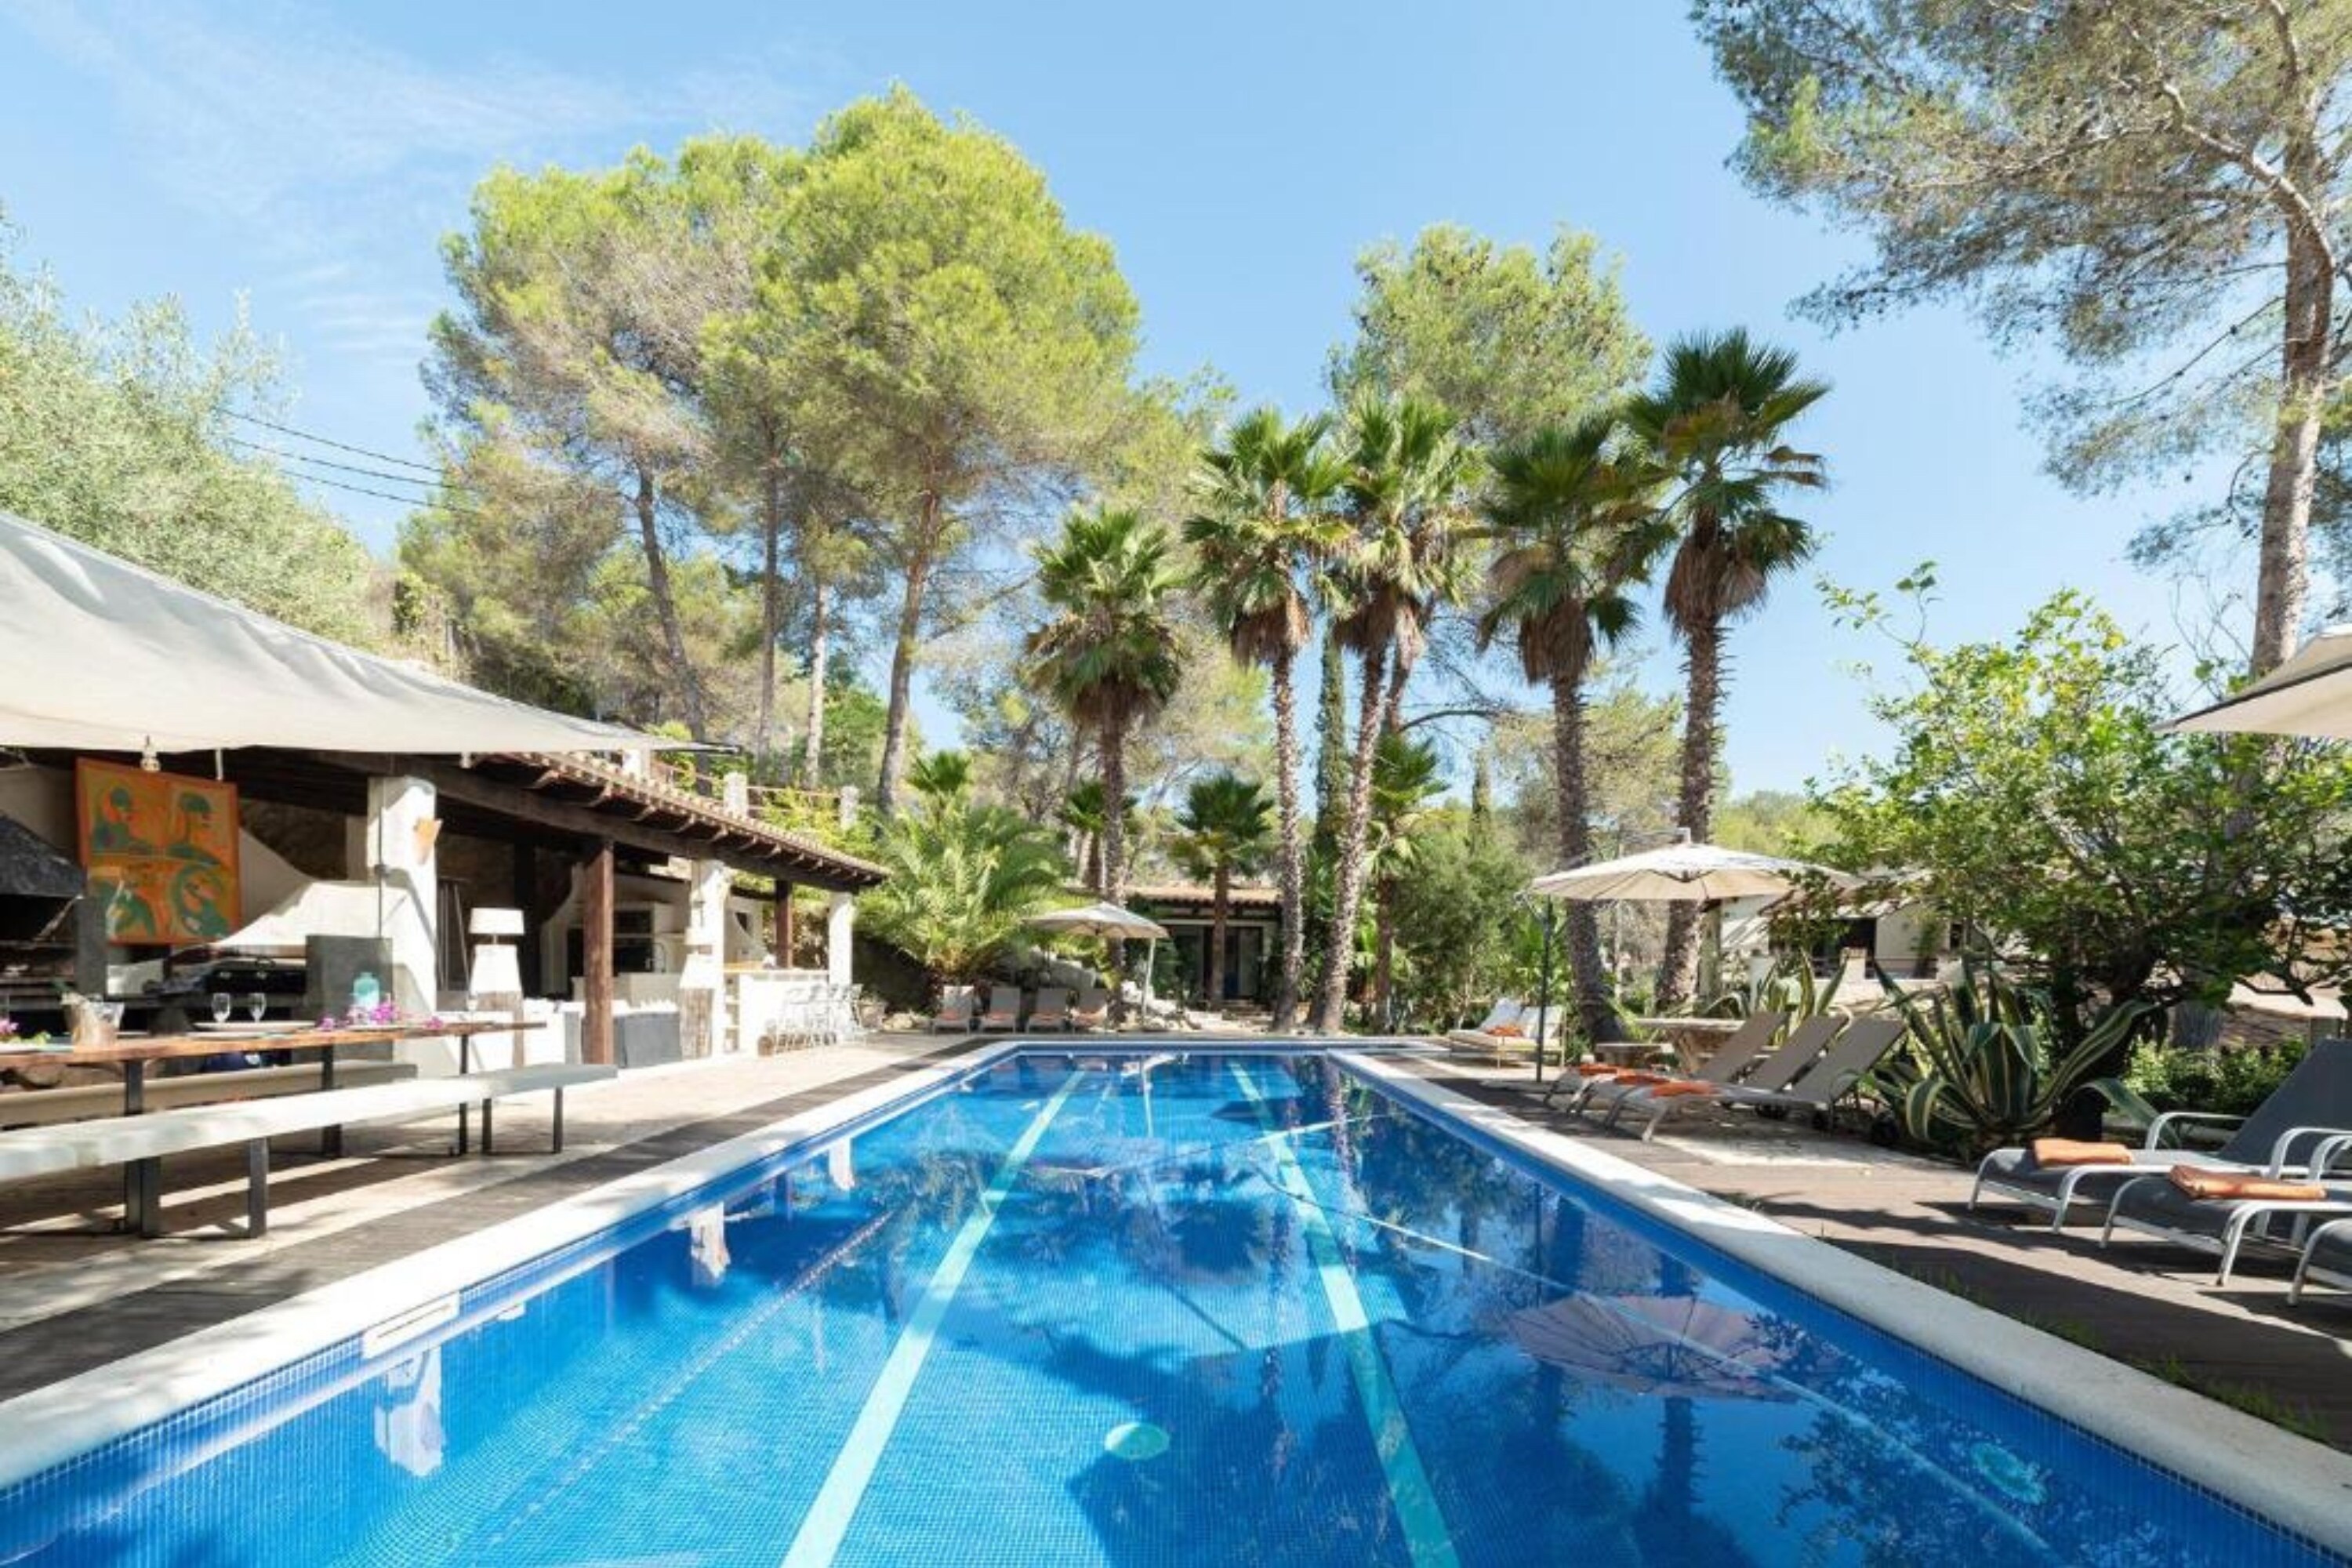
(2230,1080)
(964,880)
(1983,1065)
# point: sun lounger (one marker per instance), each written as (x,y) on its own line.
(2326,1259)
(1739,1051)
(1092,1010)
(1776,1070)
(1505,1011)
(2156,1206)
(2310,1105)
(1052,1013)
(1819,1090)
(1003,1011)
(954,1016)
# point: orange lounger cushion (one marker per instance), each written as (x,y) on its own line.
(1648,1080)
(2060,1151)
(2224,1185)
(1677,1088)
(1597,1069)
(1508,1032)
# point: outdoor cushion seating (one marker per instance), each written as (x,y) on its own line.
(2311,1103)
(2326,1259)
(143,1142)
(1003,1010)
(1739,1051)
(1837,1074)
(1052,1013)
(1774,1071)
(1093,1008)
(954,1015)
(2163,1204)
(1480,1035)
(77,1102)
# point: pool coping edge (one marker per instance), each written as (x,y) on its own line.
(2299,1485)
(62,1421)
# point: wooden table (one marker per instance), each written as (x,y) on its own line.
(1693,1040)
(133,1056)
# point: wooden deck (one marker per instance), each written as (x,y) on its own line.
(70,1300)
(2141,1300)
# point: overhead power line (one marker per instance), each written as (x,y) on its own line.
(283,454)
(329,441)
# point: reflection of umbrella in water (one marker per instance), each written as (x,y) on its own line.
(1664,1347)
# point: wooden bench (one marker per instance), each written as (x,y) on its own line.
(141,1143)
(80,1101)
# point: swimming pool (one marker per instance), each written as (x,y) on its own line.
(1166,1308)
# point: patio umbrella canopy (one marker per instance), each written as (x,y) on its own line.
(1681,874)
(104,656)
(1099,920)
(1108,919)
(2310,694)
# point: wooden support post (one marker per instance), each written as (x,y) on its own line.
(783,924)
(523,894)
(596,956)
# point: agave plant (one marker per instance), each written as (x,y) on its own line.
(1789,986)
(1985,1067)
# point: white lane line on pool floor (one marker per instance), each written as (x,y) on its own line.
(821,1532)
(1426,1538)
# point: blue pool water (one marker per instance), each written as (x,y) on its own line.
(1211,1308)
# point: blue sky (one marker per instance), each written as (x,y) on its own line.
(1237,156)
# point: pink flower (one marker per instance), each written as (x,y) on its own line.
(329,1022)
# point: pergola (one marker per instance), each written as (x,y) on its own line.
(109,661)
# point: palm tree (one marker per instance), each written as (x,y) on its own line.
(1716,422)
(1264,529)
(1107,655)
(1406,778)
(1405,476)
(1574,533)
(1225,830)
(942,775)
(964,880)
(1081,813)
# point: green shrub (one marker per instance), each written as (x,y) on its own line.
(2232,1080)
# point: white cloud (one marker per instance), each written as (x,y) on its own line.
(340,159)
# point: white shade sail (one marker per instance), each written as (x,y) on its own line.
(2310,694)
(1099,920)
(100,655)
(1681,874)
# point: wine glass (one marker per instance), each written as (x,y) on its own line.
(257,1006)
(223,1006)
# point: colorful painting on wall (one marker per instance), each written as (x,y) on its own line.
(161,853)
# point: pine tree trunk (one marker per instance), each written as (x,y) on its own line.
(1584,922)
(1340,950)
(820,653)
(902,658)
(1218,912)
(771,607)
(689,684)
(2285,553)
(1678,973)
(1292,873)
